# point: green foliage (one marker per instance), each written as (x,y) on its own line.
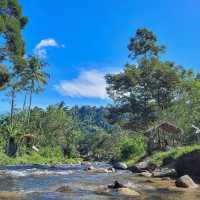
(63,133)
(141,92)
(160,157)
(11,24)
(153,90)
(99,145)
(4,77)
(132,147)
(144,44)
(7,131)
(11,131)
(147,91)
(129,148)
(91,119)
(35,158)
(143,89)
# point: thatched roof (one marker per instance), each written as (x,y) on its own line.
(29,136)
(167,127)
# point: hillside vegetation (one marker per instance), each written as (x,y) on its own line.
(147,91)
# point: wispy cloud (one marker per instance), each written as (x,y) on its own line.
(90,84)
(41,48)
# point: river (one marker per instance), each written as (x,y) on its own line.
(39,182)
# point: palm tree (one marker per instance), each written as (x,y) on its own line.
(34,78)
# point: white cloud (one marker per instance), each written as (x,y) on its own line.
(90,84)
(41,48)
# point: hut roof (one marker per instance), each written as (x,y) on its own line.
(167,127)
(29,136)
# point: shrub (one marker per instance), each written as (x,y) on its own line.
(130,148)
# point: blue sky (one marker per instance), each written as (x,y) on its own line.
(83,40)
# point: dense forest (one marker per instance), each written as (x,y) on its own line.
(148,91)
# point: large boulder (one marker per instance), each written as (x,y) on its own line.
(142,167)
(189,164)
(120,165)
(185,182)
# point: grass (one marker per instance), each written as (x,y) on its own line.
(160,158)
(35,158)
(44,156)
(133,160)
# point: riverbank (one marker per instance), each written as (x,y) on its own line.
(162,158)
(36,158)
(158,158)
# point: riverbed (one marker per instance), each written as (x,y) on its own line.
(40,182)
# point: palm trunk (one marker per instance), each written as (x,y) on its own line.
(24,109)
(12,106)
(24,104)
(30,101)
(30,104)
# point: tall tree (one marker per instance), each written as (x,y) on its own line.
(12,47)
(34,77)
(144,88)
(144,45)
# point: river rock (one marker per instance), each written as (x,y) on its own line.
(185,182)
(119,189)
(145,174)
(90,168)
(99,170)
(166,178)
(111,169)
(164,172)
(126,192)
(86,163)
(189,164)
(64,189)
(120,165)
(142,166)
(135,169)
(116,185)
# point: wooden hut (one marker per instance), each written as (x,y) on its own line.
(28,139)
(163,136)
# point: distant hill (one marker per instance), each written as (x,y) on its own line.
(92,119)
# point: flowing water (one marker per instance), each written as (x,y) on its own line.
(39,182)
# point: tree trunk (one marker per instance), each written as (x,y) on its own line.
(24,104)
(30,104)
(12,106)
(11,147)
